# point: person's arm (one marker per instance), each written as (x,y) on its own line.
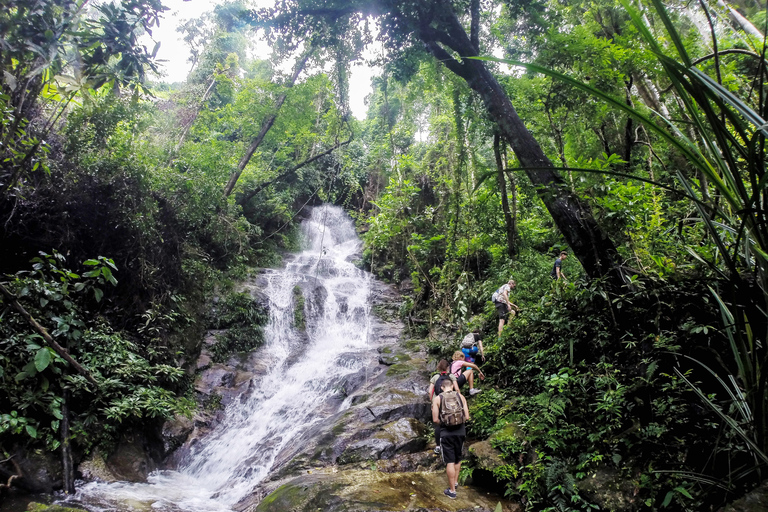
(475,367)
(482,351)
(466,409)
(505,296)
(436,409)
(430,390)
(456,386)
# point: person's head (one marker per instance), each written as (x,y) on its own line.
(458,355)
(511,283)
(443,366)
(563,255)
(446,385)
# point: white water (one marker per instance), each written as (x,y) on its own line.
(291,396)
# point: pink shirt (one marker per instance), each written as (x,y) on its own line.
(456,367)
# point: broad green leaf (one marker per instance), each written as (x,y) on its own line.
(32,431)
(42,359)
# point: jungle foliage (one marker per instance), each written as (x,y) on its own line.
(632,135)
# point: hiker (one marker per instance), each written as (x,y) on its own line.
(443,370)
(464,372)
(557,272)
(500,299)
(449,414)
(471,345)
(436,387)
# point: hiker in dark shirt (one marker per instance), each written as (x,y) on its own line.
(452,431)
(557,271)
(436,387)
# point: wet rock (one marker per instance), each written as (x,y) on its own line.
(408,462)
(131,460)
(40,507)
(755,501)
(395,404)
(366,450)
(95,468)
(175,432)
(390,359)
(608,489)
(371,491)
(41,471)
(486,456)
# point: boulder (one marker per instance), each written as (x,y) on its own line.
(755,501)
(486,456)
(372,491)
(131,460)
(175,432)
(41,471)
(95,468)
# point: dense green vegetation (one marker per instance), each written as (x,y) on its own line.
(123,212)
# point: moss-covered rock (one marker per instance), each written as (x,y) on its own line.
(41,507)
(358,490)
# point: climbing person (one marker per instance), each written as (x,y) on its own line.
(557,271)
(443,370)
(464,372)
(500,299)
(471,345)
(449,415)
(436,387)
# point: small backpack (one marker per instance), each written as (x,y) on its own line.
(468,341)
(439,383)
(451,409)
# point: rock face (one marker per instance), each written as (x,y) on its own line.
(371,491)
(755,501)
(131,461)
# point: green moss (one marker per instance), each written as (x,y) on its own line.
(299,321)
(414,344)
(398,369)
(40,507)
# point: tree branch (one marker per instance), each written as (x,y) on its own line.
(44,333)
(244,199)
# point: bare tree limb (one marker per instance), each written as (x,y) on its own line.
(244,199)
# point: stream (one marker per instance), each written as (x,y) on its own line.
(290,396)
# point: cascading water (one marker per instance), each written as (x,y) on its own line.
(303,368)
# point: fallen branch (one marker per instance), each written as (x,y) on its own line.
(44,333)
(11,478)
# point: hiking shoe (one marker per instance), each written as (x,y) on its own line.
(474,391)
(437,449)
(450,494)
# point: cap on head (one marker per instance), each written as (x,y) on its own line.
(563,254)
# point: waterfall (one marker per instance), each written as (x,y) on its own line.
(302,372)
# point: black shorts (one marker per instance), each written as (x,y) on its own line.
(450,447)
(502,310)
(461,380)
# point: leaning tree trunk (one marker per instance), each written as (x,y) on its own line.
(265,126)
(589,243)
(502,183)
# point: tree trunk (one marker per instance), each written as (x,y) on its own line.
(68,475)
(265,126)
(502,183)
(589,243)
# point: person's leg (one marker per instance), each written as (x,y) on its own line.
(457,472)
(501,325)
(450,469)
(470,376)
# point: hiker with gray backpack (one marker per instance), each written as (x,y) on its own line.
(449,415)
